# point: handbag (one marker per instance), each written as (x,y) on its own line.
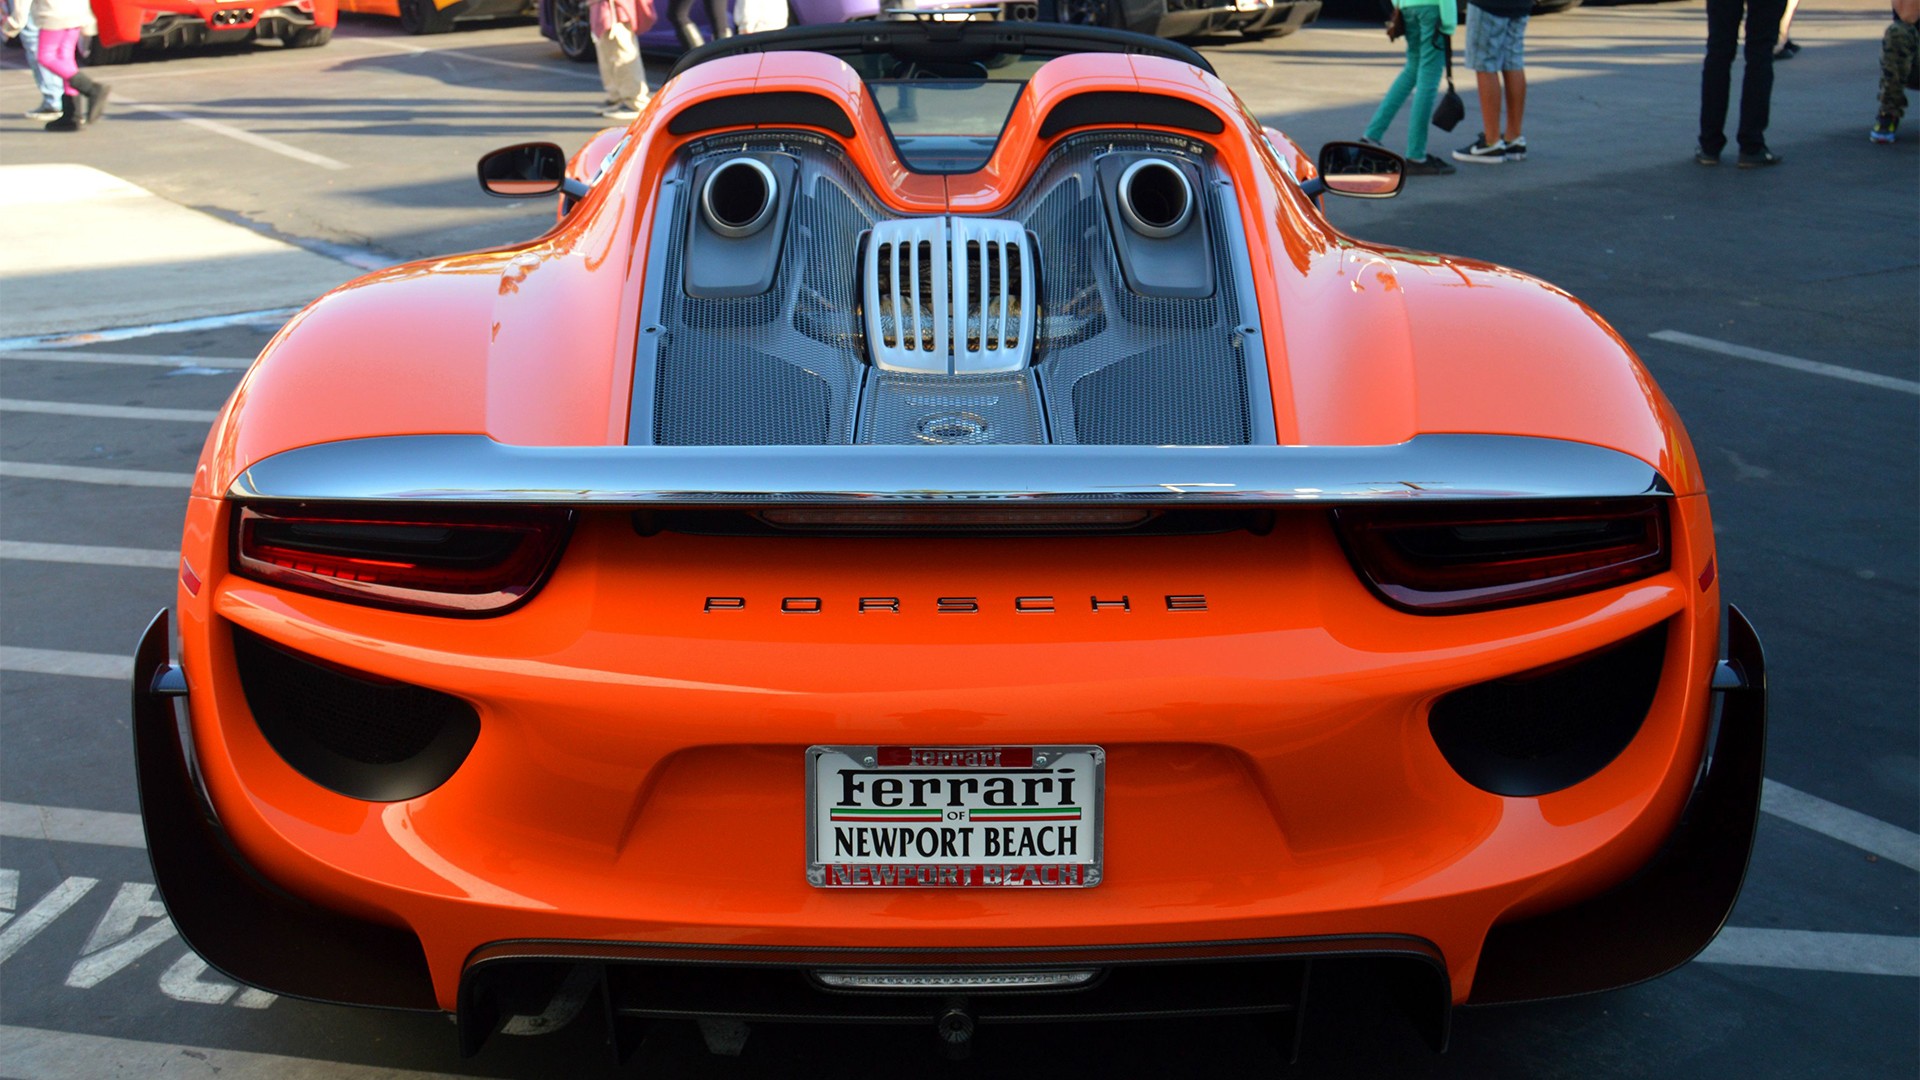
(1450,110)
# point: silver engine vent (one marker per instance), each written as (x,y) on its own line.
(949,295)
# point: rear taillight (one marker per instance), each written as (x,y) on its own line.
(448,562)
(1444,560)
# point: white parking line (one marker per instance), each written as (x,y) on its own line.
(1812,950)
(1890,842)
(87,474)
(1811,367)
(39,1054)
(85,665)
(25,821)
(544,69)
(235,364)
(89,554)
(237,134)
(107,412)
(69,339)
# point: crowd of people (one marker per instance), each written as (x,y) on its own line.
(53,30)
(1496,43)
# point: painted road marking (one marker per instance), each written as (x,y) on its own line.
(1811,367)
(107,412)
(89,555)
(237,134)
(86,665)
(1872,835)
(87,474)
(1812,950)
(17,932)
(39,1054)
(67,339)
(544,69)
(236,364)
(25,821)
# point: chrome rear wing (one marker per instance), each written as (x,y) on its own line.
(475,469)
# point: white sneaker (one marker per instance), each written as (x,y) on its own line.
(42,113)
(620,112)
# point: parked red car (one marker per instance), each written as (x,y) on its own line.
(154,24)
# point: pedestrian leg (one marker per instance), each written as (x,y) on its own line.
(1756,86)
(1716,75)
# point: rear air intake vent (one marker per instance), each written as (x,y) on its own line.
(358,734)
(949,296)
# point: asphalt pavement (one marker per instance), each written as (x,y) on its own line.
(151,258)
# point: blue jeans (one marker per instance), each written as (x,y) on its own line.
(51,86)
(1421,78)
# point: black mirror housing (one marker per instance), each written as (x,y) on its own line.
(1361,170)
(524,171)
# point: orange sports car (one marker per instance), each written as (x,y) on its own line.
(943,531)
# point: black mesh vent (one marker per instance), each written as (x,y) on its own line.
(784,367)
(1164,397)
(713,391)
(1538,732)
(359,735)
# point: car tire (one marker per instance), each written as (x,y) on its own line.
(308,37)
(572,31)
(421,17)
(99,55)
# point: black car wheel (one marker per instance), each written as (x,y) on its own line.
(572,30)
(421,17)
(1091,13)
(98,55)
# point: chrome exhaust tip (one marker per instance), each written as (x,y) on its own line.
(1156,200)
(739,197)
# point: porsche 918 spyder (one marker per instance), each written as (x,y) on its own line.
(943,531)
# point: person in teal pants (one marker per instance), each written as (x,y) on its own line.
(1429,23)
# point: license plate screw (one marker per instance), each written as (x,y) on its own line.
(868,761)
(1039,759)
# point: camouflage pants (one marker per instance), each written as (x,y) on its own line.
(1899,67)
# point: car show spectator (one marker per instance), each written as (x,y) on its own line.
(1496,44)
(1899,68)
(616,26)
(1427,24)
(680,14)
(1788,48)
(61,24)
(1724,17)
(45,81)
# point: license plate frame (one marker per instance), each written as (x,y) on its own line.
(1054,822)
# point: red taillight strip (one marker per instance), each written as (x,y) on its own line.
(1422,583)
(459,562)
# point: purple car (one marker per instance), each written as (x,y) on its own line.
(565,21)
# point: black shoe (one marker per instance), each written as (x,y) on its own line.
(69,115)
(1479,152)
(1701,156)
(1432,166)
(95,93)
(1788,50)
(1758,159)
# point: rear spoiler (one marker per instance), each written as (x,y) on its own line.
(474,469)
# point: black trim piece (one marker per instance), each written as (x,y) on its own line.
(647,981)
(775,108)
(1105,108)
(245,927)
(1663,916)
(944,41)
(352,733)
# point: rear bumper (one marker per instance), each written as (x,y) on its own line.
(254,932)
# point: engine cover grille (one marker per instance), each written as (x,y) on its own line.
(949,295)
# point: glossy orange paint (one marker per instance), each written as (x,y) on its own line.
(638,771)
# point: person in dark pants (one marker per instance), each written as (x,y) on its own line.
(1756,87)
(680,14)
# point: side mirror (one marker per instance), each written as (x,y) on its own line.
(524,171)
(1360,170)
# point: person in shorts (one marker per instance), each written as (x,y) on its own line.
(1899,68)
(1496,46)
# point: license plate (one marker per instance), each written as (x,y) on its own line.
(954,816)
